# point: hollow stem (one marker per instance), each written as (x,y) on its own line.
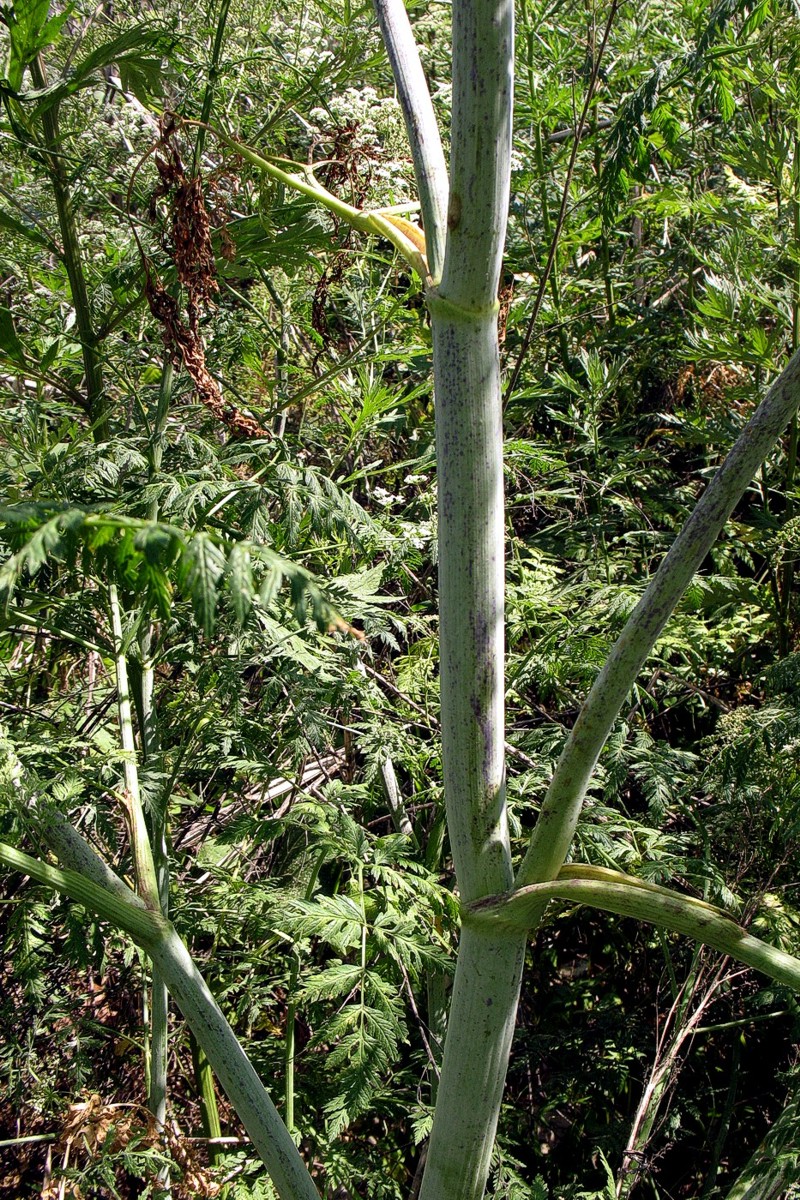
(471,583)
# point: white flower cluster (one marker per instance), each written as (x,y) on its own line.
(379,118)
(418,534)
(381,139)
(387,499)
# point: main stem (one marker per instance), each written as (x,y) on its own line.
(471,583)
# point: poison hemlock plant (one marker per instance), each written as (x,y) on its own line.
(156,561)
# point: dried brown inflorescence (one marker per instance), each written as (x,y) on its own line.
(193,254)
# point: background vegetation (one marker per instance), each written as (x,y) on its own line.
(218,470)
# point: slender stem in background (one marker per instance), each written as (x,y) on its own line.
(771,569)
(547,224)
(291,1009)
(146,881)
(555,827)
(73,261)
(281,360)
(423,131)
(529,34)
(725,1121)
(394,798)
(289,1045)
(605,262)
(788,572)
(158,438)
(680,1025)
(209,1110)
(211,83)
(690,240)
(435,979)
(795,239)
(147,875)
(159,1005)
(562,212)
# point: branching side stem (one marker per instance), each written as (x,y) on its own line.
(423,131)
(555,827)
(629,897)
(157,937)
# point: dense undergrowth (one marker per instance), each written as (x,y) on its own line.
(228,442)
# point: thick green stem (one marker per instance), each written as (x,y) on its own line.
(234,1070)
(471,584)
(554,830)
(437,998)
(471,577)
(471,540)
(73,851)
(480,1028)
(140,923)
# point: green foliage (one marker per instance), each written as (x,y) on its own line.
(144,555)
(30,30)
